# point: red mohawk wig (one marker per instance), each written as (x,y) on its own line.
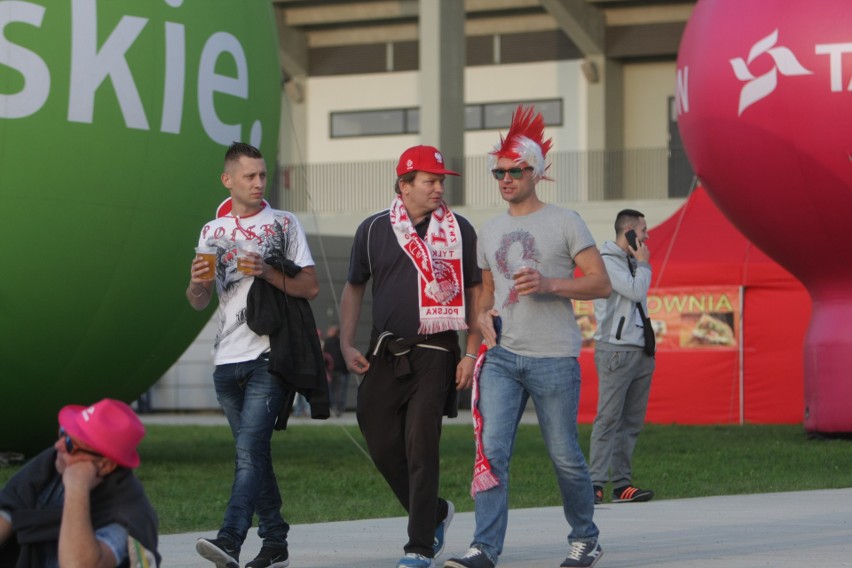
(524,142)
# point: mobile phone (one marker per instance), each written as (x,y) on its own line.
(631,239)
(498,327)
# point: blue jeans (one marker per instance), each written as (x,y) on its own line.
(252,398)
(339,389)
(506,383)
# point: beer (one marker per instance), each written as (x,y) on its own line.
(522,267)
(208,254)
(244,264)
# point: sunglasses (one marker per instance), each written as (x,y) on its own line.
(73,448)
(516,173)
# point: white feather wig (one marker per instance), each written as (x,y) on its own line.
(524,142)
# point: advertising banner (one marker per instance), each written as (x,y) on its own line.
(685,318)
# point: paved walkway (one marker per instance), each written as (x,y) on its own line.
(780,530)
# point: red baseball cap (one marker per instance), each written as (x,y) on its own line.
(109,427)
(423,159)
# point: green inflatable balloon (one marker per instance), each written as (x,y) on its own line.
(114,120)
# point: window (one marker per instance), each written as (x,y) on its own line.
(482,116)
(499,115)
(373,122)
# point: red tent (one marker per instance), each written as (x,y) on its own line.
(757,380)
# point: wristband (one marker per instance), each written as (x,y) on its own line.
(194,295)
(471,355)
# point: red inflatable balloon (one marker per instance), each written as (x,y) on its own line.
(764,101)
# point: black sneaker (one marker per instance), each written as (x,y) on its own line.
(219,552)
(271,556)
(629,494)
(598,494)
(473,558)
(583,555)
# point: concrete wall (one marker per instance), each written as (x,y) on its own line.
(646,87)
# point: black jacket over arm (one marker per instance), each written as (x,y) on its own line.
(119,498)
(296,356)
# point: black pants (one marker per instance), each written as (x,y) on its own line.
(401,422)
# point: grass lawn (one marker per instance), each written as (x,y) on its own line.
(325,474)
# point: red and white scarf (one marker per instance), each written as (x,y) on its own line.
(483,478)
(438,261)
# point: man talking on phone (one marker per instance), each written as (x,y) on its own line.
(624,358)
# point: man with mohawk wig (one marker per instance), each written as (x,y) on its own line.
(531,344)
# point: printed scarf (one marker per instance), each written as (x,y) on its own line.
(438,261)
(483,478)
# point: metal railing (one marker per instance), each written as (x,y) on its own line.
(579,177)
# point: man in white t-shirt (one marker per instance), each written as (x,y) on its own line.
(251,396)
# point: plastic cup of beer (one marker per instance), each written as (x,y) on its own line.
(244,265)
(521,266)
(208,254)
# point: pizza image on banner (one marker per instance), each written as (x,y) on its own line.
(707,330)
(587,327)
(695,318)
(584,314)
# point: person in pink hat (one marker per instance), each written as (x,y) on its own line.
(78,503)
(422,261)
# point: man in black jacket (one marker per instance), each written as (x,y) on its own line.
(78,504)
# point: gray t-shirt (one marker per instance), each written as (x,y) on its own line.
(538,325)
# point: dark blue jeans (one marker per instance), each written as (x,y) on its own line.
(252,398)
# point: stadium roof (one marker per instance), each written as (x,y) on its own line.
(311,31)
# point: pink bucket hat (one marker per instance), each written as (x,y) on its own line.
(109,427)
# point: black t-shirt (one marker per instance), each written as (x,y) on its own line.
(332,347)
(377,254)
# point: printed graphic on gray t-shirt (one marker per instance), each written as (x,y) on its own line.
(538,325)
